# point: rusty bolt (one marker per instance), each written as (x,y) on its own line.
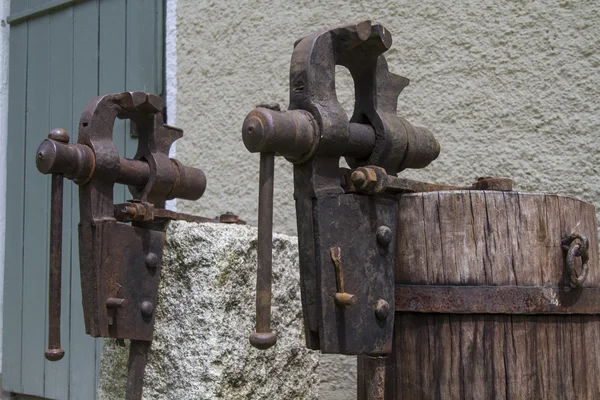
(113,302)
(364,179)
(151,260)
(147,309)
(382,309)
(125,212)
(59,134)
(384,235)
(359,179)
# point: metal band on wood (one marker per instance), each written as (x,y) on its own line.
(496,299)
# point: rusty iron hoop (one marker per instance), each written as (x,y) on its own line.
(576,245)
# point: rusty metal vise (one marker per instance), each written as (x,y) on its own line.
(120,263)
(346,218)
(345,235)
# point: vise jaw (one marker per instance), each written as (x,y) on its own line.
(346,238)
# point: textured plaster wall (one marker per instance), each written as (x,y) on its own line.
(509,88)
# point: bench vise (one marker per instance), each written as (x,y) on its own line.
(120,263)
(345,236)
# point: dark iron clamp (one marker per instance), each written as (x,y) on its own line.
(315,132)
(77,162)
(119,263)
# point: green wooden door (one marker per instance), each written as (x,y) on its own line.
(62,53)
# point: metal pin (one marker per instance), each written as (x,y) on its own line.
(263,338)
(54,351)
(341,298)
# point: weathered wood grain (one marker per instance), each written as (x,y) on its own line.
(493,238)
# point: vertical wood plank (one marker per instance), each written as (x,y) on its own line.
(551,275)
(458,382)
(407,234)
(565,357)
(141,50)
(407,340)
(555,366)
(112,68)
(498,254)
(15,184)
(532,235)
(580,377)
(591,344)
(84,349)
(60,115)
(446,224)
(159,48)
(443,367)
(142,54)
(513,236)
(36,220)
(480,234)
(496,369)
(542,366)
(435,270)
(472,357)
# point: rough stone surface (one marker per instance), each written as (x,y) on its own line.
(509,88)
(204,316)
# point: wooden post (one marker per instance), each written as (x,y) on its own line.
(479,238)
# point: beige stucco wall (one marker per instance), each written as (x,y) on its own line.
(509,88)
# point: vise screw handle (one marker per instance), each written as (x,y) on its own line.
(54,351)
(263,338)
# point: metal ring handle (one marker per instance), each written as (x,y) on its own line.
(576,245)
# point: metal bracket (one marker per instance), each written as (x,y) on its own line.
(496,299)
(355,232)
